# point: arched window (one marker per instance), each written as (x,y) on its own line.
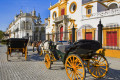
(113,6)
(54,14)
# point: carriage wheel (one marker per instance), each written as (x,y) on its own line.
(74,67)
(47,61)
(98,66)
(26,53)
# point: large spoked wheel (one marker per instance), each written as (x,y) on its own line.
(47,61)
(98,66)
(75,68)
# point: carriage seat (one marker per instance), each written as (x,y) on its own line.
(62,48)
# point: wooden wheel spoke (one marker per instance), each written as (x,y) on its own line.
(100,58)
(74,76)
(93,71)
(100,65)
(78,65)
(71,60)
(78,74)
(99,71)
(68,69)
(70,73)
(92,68)
(76,60)
(69,63)
(96,71)
(100,61)
(69,66)
(103,68)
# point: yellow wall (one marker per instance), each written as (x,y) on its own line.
(110,53)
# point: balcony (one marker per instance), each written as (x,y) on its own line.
(110,12)
(61,18)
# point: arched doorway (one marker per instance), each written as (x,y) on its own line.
(113,6)
(61,33)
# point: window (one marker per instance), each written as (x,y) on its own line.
(62,11)
(88,35)
(54,14)
(89,11)
(73,7)
(111,38)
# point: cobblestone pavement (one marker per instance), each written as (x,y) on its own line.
(34,68)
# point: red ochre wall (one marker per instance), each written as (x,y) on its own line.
(110,53)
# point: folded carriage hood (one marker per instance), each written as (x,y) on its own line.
(85,44)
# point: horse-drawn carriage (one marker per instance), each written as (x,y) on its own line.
(17,45)
(80,55)
(36,44)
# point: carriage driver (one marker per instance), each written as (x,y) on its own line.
(50,44)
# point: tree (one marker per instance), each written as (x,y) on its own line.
(1,34)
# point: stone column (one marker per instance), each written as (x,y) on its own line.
(64,30)
(56,33)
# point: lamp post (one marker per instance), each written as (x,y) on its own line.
(100,28)
(73,34)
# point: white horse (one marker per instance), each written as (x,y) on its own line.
(44,46)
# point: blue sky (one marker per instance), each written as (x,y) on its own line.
(9,8)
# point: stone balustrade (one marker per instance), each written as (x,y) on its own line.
(57,19)
(110,12)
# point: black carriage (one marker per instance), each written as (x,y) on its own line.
(17,45)
(82,54)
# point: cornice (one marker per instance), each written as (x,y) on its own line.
(94,2)
(54,6)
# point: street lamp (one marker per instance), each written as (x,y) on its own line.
(73,34)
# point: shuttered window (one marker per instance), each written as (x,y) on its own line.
(62,11)
(89,35)
(111,37)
